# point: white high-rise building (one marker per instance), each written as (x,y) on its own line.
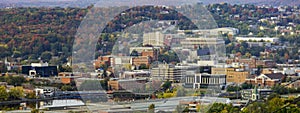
(154,39)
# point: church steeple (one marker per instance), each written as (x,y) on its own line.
(255,94)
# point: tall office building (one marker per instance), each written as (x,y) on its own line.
(167,72)
(154,39)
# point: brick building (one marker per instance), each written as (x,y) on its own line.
(266,63)
(234,75)
(146,51)
(151,54)
(253,62)
(295,84)
(266,79)
(216,70)
(103,60)
(126,84)
(137,61)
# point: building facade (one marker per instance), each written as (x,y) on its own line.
(167,72)
(126,84)
(253,62)
(154,39)
(255,94)
(267,80)
(137,61)
(40,71)
(195,43)
(235,75)
(103,60)
(258,39)
(216,70)
(202,80)
(295,84)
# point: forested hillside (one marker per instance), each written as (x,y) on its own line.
(31,33)
(43,33)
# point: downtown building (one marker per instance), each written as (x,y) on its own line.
(154,38)
(194,43)
(167,72)
(203,80)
